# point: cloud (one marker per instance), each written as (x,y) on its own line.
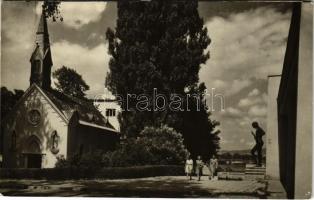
(236,86)
(258,111)
(253,98)
(231,112)
(246,47)
(248,102)
(19,24)
(92,63)
(21,19)
(242,50)
(219,84)
(254,92)
(78,14)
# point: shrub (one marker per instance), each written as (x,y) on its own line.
(155,146)
(129,154)
(164,143)
(90,160)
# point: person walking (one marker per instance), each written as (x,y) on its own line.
(213,165)
(189,167)
(258,136)
(199,167)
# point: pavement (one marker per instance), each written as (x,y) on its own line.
(163,186)
(275,190)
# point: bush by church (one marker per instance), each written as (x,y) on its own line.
(155,146)
(159,151)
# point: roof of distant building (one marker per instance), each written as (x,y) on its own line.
(86,110)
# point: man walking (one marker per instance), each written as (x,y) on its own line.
(258,136)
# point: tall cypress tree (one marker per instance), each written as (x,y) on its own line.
(161,44)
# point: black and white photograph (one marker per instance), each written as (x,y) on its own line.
(156,99)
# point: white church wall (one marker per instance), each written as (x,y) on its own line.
(49,122)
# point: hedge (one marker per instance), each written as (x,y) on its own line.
(104,173)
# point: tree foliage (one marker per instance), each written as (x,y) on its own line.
(52,9)
(70,82)
(9,99)
(161,44)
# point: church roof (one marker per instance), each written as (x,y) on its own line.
(41,25)
(85,109)
(42,41)
(66,106)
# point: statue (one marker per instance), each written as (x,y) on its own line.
(258,136)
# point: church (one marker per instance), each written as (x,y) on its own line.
(46,124)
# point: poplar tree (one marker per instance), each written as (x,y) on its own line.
(161,44)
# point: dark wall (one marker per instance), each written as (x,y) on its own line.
(287,105)
(95,139)
(82,138)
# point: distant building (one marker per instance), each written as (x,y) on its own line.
(109,107)
(45,124)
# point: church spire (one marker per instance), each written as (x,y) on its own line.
(41,61)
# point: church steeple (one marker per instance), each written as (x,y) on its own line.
(41,61)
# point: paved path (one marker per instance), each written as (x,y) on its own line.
(275,189)
(165,186)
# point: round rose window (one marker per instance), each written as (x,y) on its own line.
(34,117)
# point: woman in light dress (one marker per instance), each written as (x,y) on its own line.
(213,165)
(199,167)
(189,167)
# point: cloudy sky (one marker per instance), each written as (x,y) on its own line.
(248,43)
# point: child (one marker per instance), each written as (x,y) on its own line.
(189,167)
(199,167)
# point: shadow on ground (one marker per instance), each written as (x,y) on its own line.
(169,187)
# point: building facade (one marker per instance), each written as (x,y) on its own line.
(290,146)
(46,124)
(108,105)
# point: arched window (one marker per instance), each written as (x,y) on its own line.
(13,140)
(54,142)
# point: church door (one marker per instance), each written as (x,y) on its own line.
(33,155)
(34,160)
